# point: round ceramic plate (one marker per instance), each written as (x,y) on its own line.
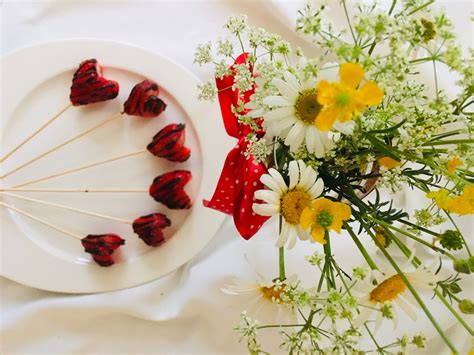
(36,84)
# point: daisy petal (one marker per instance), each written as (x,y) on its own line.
(265,209)
(363,317)
(269,182)
(292,81)
(406,308)
(308,178)
(317,189)
(270,197)
(278,179)
(294,173)
(284,234)
(279,113)
(293,237)
(296,136)
(285,89)
(318,145)
(276,101)
(310,139)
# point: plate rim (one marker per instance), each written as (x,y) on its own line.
(212,160)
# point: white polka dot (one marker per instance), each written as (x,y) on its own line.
(227,197)
(243,210)
(236,181)
(252,226)
(255,171)
(222,191)
(246,169)
(232,187)
(253,214)
(218,200)
(254,183)
(226,179)
(232,163)
(246,183)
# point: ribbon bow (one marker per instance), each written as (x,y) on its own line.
(240,177)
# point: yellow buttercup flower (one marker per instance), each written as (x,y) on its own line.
(462,205)
(388,162)
(344,100)
(323,215)
(441,197)
(453,164)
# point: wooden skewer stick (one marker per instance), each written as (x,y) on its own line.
(112,118)
(84,167)
(68,233)
(73,209)
(76,190)
(31,136)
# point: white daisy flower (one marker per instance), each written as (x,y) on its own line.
(293,114)
(289,201)
(264,300)
(387,288)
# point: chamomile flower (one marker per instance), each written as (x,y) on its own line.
(384,289)
(266,301)
(293,115)
(289,201)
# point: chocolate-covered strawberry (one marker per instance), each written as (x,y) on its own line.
(89,86)
(169,143)
(169,189)
(102,246)
(150,228)
(143,100)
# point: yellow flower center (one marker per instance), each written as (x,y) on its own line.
(307,107)
(273,293)
(388,290)
(342,98)
(292,205)
(324,219)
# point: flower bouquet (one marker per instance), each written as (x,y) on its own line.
(325,143)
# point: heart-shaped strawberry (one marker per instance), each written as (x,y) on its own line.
(168,189)
(169,143)
(150,228)
(89,86)
(102,246)
(143,100)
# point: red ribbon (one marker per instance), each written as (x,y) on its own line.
(240,177)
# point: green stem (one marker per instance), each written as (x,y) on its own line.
(394,2)
(408,223)
(281,254)
(330,280)
(281,257)
(420,7)
(450,141)
(349,21)
(411,236)
(419,300)
(363,251)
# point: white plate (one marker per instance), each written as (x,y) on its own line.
(35,85)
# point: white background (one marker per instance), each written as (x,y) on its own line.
(185,311)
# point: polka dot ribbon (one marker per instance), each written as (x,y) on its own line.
(240,177)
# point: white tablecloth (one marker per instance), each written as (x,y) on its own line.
(184,312)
